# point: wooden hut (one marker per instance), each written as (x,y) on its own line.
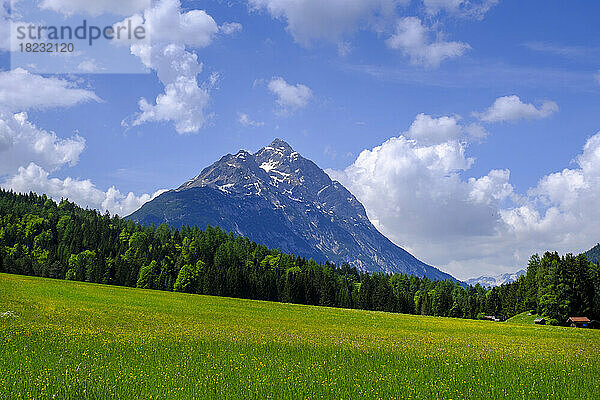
(579,322)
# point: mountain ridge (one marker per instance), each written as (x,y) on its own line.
(498,280)
(279,198)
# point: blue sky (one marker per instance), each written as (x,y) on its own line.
(352,77)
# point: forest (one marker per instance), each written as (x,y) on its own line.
(40,237)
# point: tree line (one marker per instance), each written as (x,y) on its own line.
(39,237)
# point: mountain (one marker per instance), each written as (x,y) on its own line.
(280,199)
(593,254)
(491,281)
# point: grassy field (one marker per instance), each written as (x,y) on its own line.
(67,340)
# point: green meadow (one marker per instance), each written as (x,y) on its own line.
(72,340)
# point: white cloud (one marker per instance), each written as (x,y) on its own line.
(20,90)
(427,130)
(476,131)
(229,28)
(185,99)
(415,195)
(561,212)
(22,142)
(465,8)
(95,7)
(511,108)
(88,66)
(311,20)
(597,77)
(245,120)
(83,192)
(418,193)
(168,24)
(412,38)
(290,97)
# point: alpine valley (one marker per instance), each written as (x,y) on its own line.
(280,199)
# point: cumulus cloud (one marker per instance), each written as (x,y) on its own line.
(29,154)
(83,192)
(561,211)
(415,194)
(290,97)
(412,38)
(511,109)
(311,20)
(185,99)
(168,24)
(95,7)
(428,130)
(245,120)
(22,142)
(20,90)
(417,190)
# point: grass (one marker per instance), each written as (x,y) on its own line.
(68,340)
(523,319)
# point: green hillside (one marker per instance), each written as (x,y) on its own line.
(74,340)
(523,318)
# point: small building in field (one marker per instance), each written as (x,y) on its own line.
(539,321)
(579,322)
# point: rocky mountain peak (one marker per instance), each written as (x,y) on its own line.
(281,145)
(279,198)
(232,173)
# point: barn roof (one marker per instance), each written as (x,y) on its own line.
(579,319)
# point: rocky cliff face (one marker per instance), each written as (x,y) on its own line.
(280,199)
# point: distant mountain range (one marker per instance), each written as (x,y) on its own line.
(593,254)
(280,199)
(493,281)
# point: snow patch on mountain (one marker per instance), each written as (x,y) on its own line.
(493,281)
